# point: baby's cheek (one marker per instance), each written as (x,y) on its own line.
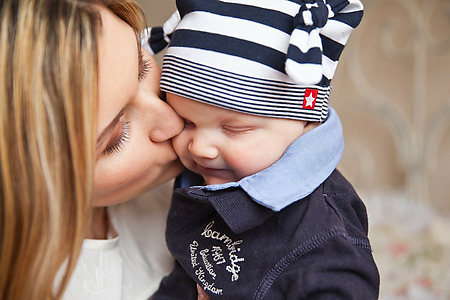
(249,163)
(180,145)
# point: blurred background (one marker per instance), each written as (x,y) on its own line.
(392,93)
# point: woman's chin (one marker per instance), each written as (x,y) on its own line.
(125,191)
(173,170)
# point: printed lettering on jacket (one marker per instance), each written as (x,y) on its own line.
(218,251)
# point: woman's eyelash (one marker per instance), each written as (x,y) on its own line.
(124,137)
(145,68)
(144,65)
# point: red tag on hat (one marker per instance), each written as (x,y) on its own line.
(309,101)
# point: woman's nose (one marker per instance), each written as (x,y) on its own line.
(167,123)
(202,146)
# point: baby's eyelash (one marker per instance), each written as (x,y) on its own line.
(124,137)
(236,131)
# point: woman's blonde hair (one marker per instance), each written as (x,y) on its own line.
(48,117)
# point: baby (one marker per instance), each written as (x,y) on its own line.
(262,212)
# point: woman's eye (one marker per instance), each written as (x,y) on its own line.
(144,69)
(121,136)
(144,65)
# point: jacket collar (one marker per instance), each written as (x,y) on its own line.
(235,207)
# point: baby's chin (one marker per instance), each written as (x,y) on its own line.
(214,181)
(209,180)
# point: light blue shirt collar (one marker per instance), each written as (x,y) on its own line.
(305,164)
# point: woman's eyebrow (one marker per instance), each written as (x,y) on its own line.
(107,131)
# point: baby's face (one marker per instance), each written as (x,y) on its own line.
(224,145)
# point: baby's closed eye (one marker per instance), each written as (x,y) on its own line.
(237,130)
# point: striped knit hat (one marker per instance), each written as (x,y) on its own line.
(272,58)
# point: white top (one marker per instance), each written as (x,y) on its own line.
(131,265)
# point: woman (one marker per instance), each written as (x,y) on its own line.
(81,128)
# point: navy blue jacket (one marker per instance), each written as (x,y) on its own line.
(316,248)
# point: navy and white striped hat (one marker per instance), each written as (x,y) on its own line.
(272,58)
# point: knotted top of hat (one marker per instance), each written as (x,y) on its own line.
(273,58)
